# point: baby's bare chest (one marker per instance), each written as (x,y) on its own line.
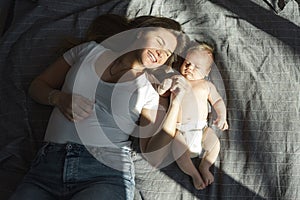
(195,103)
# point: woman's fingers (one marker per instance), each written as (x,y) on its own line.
(179,82)
(179,87)
(165,86)
(81,107)
(76,107)
(67,114)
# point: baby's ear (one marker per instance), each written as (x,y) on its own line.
(210,54)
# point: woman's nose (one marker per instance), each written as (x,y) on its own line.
(159,52)
(161,58)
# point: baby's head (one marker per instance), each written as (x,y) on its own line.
(198,61)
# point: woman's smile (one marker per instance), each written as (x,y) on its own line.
(151,56)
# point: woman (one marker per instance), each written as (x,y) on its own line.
(99,95)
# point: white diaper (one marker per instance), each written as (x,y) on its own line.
(192,133)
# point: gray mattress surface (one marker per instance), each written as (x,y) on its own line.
(257,61)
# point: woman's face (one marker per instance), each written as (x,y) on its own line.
(158,45)
(197,65)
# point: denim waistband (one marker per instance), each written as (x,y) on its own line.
(66,146)
(118,158)
(70,146)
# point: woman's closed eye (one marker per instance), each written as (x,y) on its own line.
(160,41)
(162,44)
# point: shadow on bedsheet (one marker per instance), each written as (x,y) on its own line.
(170,183)
(15,159)
(275,25)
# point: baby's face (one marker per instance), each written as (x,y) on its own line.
(197,65)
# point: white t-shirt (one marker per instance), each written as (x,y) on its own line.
(117,107)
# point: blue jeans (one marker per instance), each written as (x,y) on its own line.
(69,171)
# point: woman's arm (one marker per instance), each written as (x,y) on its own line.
(162,130)
(51,79)
(158,128)
(46,89)
(150,122)
(167,128)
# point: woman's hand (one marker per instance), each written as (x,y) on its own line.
(73,106)
(164,86)
(179,88)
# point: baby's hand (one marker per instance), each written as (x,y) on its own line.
(164,86)
(221,124)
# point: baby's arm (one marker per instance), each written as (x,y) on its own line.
(219,106)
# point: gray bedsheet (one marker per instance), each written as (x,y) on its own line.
(258,55)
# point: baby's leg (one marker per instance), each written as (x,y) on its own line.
(184,162)
(211,145)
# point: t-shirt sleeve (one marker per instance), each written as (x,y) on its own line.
(73,54)
(152,99)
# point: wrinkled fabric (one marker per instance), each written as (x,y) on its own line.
(257,50)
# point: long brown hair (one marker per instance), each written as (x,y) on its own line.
(167,23)
(101,28)
(107,25)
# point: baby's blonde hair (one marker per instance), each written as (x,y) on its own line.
(201,46)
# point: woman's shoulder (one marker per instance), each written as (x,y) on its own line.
(89,45)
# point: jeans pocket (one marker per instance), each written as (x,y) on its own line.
(39,156)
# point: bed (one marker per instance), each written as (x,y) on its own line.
(257,63)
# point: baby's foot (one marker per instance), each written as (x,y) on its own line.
(206,175)
(198,182)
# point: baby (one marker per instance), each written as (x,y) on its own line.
(192,132)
